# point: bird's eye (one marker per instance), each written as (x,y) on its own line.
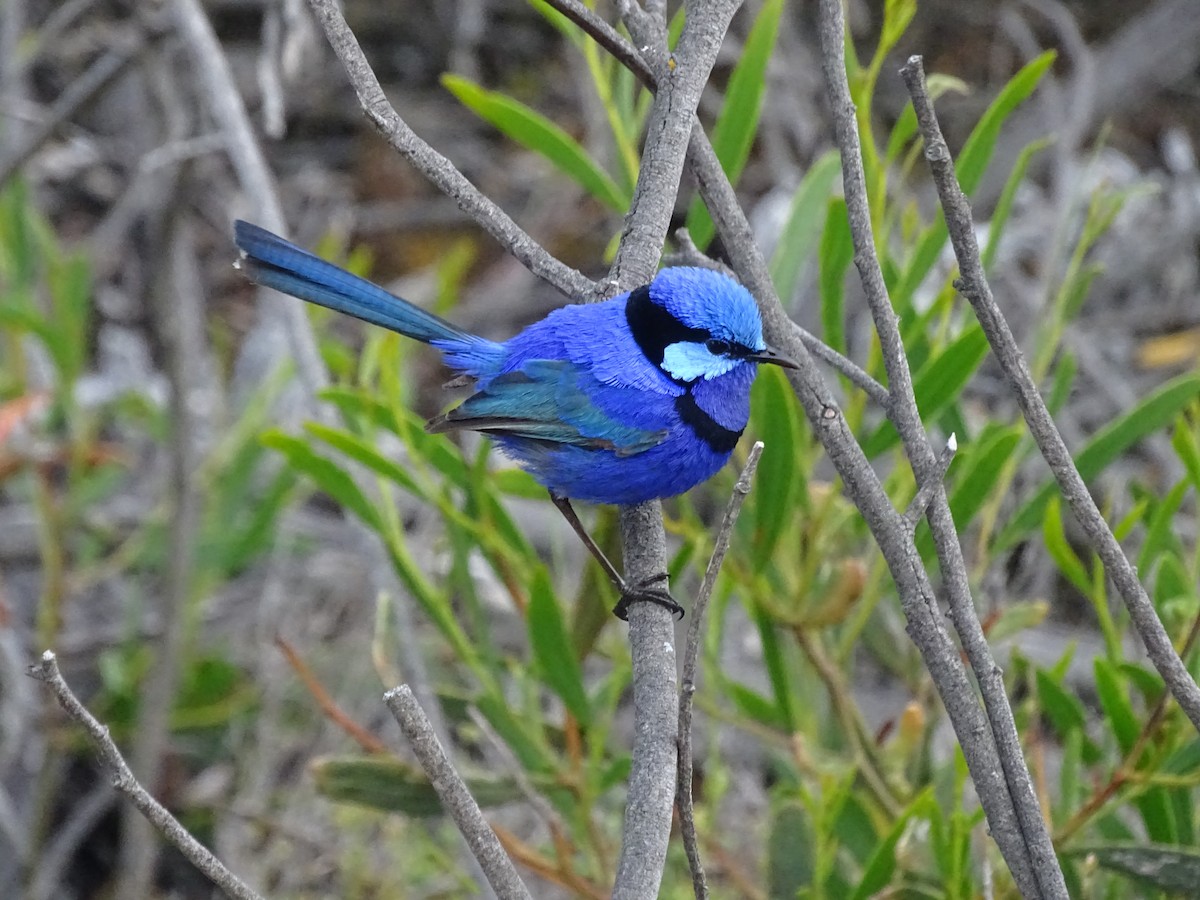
(718,347)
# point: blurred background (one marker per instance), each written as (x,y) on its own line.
(210,599)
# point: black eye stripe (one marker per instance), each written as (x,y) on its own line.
(654,328)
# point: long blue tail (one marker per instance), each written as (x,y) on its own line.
(273,262)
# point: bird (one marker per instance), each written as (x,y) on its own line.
(639,397)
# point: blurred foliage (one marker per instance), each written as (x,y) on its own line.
(853,813)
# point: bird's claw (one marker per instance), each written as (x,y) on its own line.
(644,592)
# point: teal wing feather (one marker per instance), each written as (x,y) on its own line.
(547,400)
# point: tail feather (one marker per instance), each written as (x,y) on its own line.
(273,262)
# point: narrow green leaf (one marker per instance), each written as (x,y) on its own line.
(977,151)
(778,425)
(1151,415)
(882,865)
(737,123)
(1114,698)
(755,706)
(1061,551)
(837,252)
(1064,711)
(938,384)
(1004,204)
(1164,868)
(362,451)
(553,649)
(802,228)
(1160,531)
(325,474)
(791,851)
(389,784)
(535,132)
(1187,449)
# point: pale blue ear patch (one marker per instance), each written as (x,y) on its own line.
(689,360)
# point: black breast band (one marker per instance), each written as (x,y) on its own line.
(719,438)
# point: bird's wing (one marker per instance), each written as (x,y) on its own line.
(547,400)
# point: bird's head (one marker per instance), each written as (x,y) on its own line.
(698,324)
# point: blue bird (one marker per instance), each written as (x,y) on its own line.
(635,398)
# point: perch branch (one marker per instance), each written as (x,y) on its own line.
(683,796)
(974,286)
(455,796)
(652,778)
(110,757)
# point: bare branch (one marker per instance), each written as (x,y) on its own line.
(1016,819)
(652,777)
(920,503)
(974,286)
(435,167)
(718,196)
(683,795)
(110,757)
(457,800)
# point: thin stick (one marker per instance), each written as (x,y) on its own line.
(974,286)
(455,797)
(920,503)
(1016,819)
(704,164)
(435,167)
(691,652)
(197,854)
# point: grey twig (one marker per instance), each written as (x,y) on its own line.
(864,489)
(691,652)
(920,503)
(197,854)
(717,193)
(652,777)
(435,167)
(974,286)
(1012,807)
(453,793)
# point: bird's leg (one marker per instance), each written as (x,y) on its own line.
(643,590)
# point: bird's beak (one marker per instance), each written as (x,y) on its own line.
(774,357)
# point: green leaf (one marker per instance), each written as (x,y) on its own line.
(737,123)
(791,851)
(386,783)
(802,228)
(882,865)
(1187,449)
(1160,534)
(1065,712)
(534,131)
(1004,204)
(778,426)
(1114,698)
(553,649)
(1063,554)
(363,451)
(938,384)
(837,252)
(977,151)
(1164,868)
(755,706)
(325,474)
(1151,415)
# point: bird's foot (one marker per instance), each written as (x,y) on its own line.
(645,592)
